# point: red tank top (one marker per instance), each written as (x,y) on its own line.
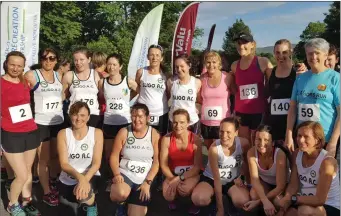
(178,157)
(250,97)
(12,96)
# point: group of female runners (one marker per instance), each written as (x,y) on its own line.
(274,151)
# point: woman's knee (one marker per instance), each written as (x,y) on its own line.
(253,194)
(200,198)
(185,190)
(240,198)
(135,210)
(306,211)
(118,194)
(23,176)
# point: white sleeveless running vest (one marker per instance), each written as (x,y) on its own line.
(153,93)
(184,97)
(309,178)
(80,154)
(86,91)
(229,167)
(137,156)
(48,101)
(117,99)
(268,176)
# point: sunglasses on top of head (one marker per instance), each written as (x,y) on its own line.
(157,46)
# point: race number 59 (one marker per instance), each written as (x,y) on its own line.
(309,112)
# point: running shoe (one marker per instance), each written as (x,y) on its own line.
(16,210)
(31,210)
(172,206)
(91,210)
(194,210)
(51,199)
(121,210)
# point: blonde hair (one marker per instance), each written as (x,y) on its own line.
(98,59)
(216,55)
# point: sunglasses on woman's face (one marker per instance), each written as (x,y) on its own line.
(51,58)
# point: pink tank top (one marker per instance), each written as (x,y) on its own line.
(215,101)
(250,97)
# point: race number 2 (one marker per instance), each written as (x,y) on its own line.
(280,106)
(309,112)
(20,113)
(213,113)
(248,91)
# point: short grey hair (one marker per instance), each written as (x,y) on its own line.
(318,43)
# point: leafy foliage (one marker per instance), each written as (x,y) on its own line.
(229,47)
(104,26)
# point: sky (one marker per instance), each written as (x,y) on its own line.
(268,21)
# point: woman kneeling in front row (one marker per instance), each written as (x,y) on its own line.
(137,145)
(80,153)
(314,177)
(269,171)
(223,171)
(180,160)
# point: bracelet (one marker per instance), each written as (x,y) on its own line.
(117,174)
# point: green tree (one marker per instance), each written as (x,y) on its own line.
(313,30)
(332,21)
(228,43)
(270,56)
(58,27)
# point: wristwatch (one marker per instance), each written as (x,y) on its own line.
(182,177)
(293,200)
(149,182)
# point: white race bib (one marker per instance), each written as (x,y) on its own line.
(309,112)
(248,91)
(91,101)
(20,113)
(179,170)
(225,174)
(154,120)
(308,192)
(114,106)
(213,113)
(52,104)
(140,169)
(280,106)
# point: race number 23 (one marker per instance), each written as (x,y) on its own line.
(309,112)
(248,91)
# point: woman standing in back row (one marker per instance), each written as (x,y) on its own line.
(214,97)
(183,91)
(251,76)
(81,85)
(152,89)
